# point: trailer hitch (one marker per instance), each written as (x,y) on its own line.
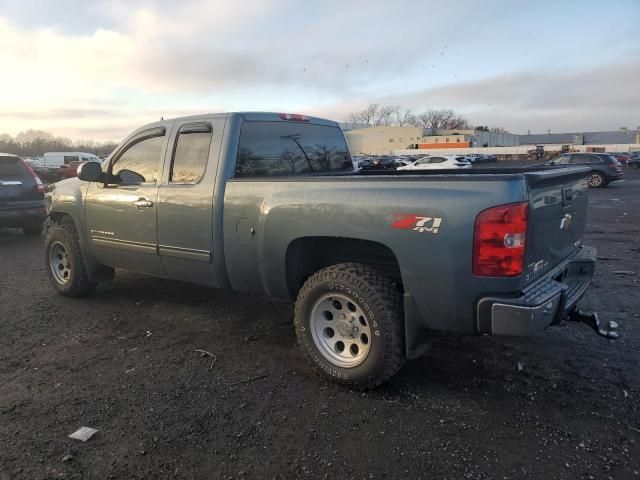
(591,319)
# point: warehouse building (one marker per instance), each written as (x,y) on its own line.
(619,137)
(384,140)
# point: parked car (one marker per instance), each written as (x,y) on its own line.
(604,167)
(57,159)
(634,162)
(438,162)
(380,163)
(476,158)
(481,158)
(253,202)
(34,163)
(623,158)
(71,170)
(404,161)
(21,196)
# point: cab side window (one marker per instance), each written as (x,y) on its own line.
(561,160)
(190,154)
(584,158)
(139,163)
(437,160)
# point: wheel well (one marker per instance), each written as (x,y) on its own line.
(61,218)
(307,255)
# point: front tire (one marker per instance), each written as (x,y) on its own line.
(64,262)
(348,320)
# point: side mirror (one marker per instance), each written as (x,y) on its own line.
(90,171)
(551,162)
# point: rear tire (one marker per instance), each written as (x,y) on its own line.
(33,229)
(64,263)
(349,324)
(596,180)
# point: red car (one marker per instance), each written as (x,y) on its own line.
(622,158)
(69,170)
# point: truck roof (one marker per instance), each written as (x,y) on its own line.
(247,116)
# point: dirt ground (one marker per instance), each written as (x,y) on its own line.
(124,361)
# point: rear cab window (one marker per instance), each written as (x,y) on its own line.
(269,149)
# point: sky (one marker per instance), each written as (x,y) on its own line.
(99,69)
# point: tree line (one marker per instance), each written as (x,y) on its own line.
(393,116)
(34,143)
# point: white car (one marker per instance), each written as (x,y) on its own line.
(438,163)
(57,159)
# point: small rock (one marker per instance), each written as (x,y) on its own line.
(67,458)
(83,433)
(520,366)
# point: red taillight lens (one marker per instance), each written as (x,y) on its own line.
(39,185)
(499,240)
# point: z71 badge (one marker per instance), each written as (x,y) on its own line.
(418,223)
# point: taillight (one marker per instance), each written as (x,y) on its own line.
(499,240)
(39,185)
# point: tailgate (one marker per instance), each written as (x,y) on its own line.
(557,217)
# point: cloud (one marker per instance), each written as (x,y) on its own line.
(604,97)
(70,68)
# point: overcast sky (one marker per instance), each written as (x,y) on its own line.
(98,69)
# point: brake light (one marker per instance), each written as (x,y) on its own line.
(39,185)
(294,117)
(499,240)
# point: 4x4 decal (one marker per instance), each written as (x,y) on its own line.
(418,223)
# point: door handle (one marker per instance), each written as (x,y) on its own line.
(142,203)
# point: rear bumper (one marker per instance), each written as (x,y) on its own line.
(19,216)
(541,304)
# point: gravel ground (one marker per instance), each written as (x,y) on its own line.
(563,404)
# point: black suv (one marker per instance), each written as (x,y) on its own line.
(21,196)
(605,168)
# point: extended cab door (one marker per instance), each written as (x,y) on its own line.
(121,213)
(185,202)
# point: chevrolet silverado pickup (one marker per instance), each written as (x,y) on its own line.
(376,262)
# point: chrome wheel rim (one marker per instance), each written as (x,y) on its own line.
(59,263)
(595,180)
(340,330)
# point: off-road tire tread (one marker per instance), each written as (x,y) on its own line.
(383,295)
(81,284)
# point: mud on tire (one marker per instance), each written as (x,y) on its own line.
(367,293)
(62,252)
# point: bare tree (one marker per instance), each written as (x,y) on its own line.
(445,119)
(379,115)
(36,142)
(403,118)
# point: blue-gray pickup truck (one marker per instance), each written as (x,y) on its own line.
(376,262)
